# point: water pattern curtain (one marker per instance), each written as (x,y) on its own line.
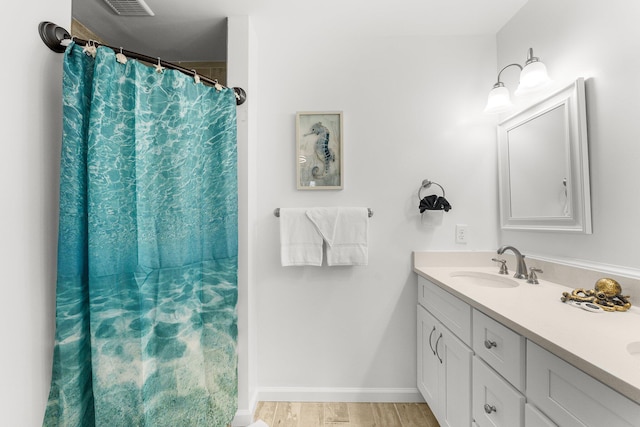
(146,294)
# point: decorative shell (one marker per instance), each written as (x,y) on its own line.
(121,58)
(90,49)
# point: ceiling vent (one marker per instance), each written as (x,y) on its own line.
(130,7)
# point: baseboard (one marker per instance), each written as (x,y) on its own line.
(244,416)
(332,394)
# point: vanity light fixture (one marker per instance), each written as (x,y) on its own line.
(533,76)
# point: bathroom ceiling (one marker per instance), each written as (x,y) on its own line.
(196,29)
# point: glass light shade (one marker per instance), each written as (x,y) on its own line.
(499,100)
(533,76)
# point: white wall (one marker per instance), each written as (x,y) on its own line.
(241,73)
(412,110)
(31,133)
(599,41)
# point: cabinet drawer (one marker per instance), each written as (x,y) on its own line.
(496,403)
(500,347)
(571,398)
(535,418)
(451,311)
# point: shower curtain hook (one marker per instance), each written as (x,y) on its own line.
(159,67)
(196,77)
(120,57)
(90,49)
(217,85)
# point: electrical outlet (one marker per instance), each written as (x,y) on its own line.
(462,231)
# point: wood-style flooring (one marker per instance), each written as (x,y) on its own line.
(342,414)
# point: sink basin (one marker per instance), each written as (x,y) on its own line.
(486,279)
(634,349)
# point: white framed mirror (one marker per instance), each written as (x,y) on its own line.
(543,163)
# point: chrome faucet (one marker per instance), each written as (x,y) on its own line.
(521,269)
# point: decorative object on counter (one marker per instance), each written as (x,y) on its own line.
(606,294)
(319,150)
(432,202)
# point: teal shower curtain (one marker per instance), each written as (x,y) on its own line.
(147,255)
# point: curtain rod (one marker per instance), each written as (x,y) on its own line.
(56,38)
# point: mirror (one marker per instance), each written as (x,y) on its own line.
(544,165)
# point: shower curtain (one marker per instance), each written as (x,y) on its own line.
(147,254)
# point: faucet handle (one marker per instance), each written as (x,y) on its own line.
(503,265)
(533,278)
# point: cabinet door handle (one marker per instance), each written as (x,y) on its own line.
(490,344)
(430,335)
(438,354)
(489,408)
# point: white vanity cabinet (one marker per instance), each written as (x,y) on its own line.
(475,371)
(444,360)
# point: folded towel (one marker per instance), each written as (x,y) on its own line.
(300,242)
(346,232)
(434,203)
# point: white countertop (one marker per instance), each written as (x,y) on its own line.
(595,343)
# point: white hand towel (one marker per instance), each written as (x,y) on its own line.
(300,242)
(258,423)
(346,232)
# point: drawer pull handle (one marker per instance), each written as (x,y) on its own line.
(438,354)
(490,344)
(489,408)
(430,335)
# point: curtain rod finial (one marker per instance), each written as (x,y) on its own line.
(241,95)
(52,35)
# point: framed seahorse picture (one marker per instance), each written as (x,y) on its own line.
(319,150)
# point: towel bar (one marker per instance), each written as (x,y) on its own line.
(276,212)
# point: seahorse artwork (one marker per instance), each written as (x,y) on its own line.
(324,153)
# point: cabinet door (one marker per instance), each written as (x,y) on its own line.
(451,311)
(535,418)
(572,398)
(428,364)
(455,380)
